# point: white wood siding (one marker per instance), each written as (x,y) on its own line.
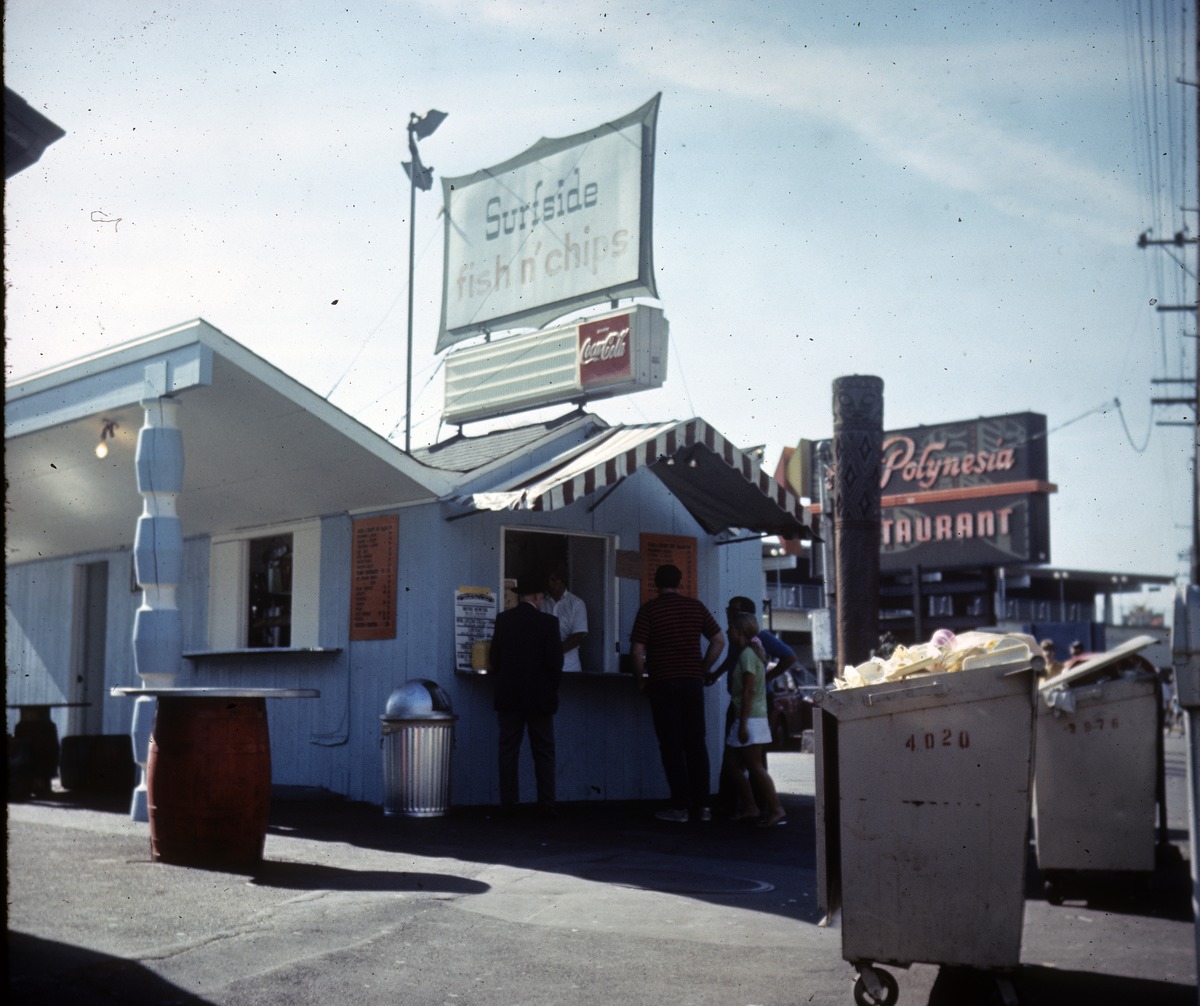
(38,644)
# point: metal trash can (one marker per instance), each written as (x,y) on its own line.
(922,801)
(418,736)
(1096,769)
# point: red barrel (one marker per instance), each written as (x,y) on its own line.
(208,779)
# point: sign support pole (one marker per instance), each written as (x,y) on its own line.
(412,241)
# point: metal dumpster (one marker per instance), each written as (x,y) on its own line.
(922,800)
(1096,768)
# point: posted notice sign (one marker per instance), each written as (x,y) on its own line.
(474,619)
(373,557)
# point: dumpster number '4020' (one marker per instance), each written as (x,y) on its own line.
(930,740)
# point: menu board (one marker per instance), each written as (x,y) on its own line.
(474,620)
(373,559)
(668,549)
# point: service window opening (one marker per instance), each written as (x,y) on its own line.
(270,592)
(588,561)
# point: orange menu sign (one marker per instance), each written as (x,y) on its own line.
(373,558)
(668,549)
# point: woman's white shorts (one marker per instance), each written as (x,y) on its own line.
(758,728)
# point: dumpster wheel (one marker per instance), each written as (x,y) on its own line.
(875,987)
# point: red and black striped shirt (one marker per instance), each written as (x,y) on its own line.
(670,627)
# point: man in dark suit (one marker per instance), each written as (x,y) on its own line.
(527,663)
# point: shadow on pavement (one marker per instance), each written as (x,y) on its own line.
(1042,986)
(618,842)
(309,877)
(103,801)
(483,834)
(1164,894)
(45,973)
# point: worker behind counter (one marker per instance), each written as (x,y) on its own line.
(571,613)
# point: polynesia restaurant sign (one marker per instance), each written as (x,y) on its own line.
(971,493)
(564,225)
(966,493)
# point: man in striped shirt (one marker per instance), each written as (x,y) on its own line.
(669,667)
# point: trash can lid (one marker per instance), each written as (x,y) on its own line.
(1098,666)
(418,697)
(390,724)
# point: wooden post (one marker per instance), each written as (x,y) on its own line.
(857,463)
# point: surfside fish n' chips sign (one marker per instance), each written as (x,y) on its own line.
(564,225)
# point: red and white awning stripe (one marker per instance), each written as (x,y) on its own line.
(616,453)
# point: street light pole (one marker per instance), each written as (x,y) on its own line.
(420,177)
(412,242)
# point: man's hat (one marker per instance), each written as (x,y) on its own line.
(530,583)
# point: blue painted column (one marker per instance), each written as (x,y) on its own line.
(158,565)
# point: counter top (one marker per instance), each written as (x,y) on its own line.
(221,693)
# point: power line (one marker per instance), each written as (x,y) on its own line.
(1128,435)
(378,325)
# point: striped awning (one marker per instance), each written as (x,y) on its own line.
(721,486)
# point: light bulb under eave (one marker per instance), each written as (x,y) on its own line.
(102,450)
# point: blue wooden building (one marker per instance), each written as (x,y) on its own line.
(315,554)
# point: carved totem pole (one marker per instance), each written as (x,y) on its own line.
(857,452)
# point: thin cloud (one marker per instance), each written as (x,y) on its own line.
(950,115)
(889,101)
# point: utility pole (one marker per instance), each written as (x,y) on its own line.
(1193,400)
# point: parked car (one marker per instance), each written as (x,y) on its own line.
(791,708)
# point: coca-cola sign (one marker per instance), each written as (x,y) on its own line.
(604,356)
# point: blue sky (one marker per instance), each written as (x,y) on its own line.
(945,195)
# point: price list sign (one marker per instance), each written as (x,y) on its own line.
(373,553)
(663,550)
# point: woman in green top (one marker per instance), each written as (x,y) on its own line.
(749,730)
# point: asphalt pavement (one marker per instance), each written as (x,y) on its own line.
(605,904)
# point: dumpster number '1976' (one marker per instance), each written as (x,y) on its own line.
(930,740)
(1087,726)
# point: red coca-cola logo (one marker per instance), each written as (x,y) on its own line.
(609,348)
(604,356)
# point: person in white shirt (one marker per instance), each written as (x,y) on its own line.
(572,617)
